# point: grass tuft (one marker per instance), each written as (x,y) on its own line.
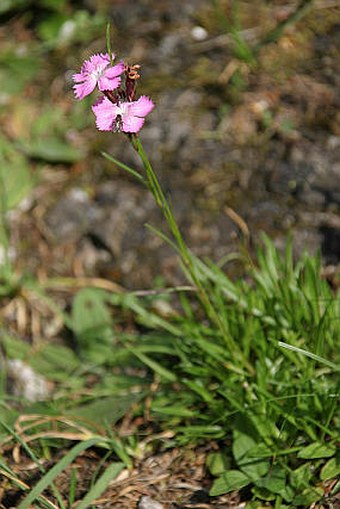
(273,412)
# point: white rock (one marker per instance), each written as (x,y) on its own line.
(25,382)
(199,33)
(149,503)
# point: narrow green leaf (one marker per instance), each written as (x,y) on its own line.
(49,477)
(155,366)
(123,166)
(73,487)
(100,486)
(24,445)
(311,355)
(194,432)
(174,410)
(162,236)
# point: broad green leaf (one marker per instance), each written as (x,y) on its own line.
(229,481)
(50,27)
(91,323)
(105,410)
(15,348)
(242,443)
(330,469)
(275,482)
(15,177)
(245,439)
(301,476)
(316,450)
(54,361)
(7,5)
(89,311)
(262,493)
(17,70)
(256,504)
(261,451)
(8,417)
(52,150)
(308,497)
(217,463)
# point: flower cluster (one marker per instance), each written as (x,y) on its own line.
(117,109)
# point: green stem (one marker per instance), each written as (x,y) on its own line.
(4,231)
(275,34)
(186,256)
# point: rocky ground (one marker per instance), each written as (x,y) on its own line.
(234,160)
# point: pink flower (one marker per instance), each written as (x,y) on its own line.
(127,117)
(97,71)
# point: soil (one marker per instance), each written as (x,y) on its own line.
(236,156)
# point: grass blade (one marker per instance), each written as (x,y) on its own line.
(164,237)
(100,486)
(49,477)
(310,355)
(155,366)
(124,167)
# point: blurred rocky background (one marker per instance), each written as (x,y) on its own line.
(245,135)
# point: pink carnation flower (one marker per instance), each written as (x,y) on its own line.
(97,71)
(124,116)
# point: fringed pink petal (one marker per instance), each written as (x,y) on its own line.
(142,107)
(114,71)
(105,83)
(132,124)
(83,89)
(105,112)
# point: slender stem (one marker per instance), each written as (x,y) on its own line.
(161,201)
(4,230)
(275,34)
(185,254)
